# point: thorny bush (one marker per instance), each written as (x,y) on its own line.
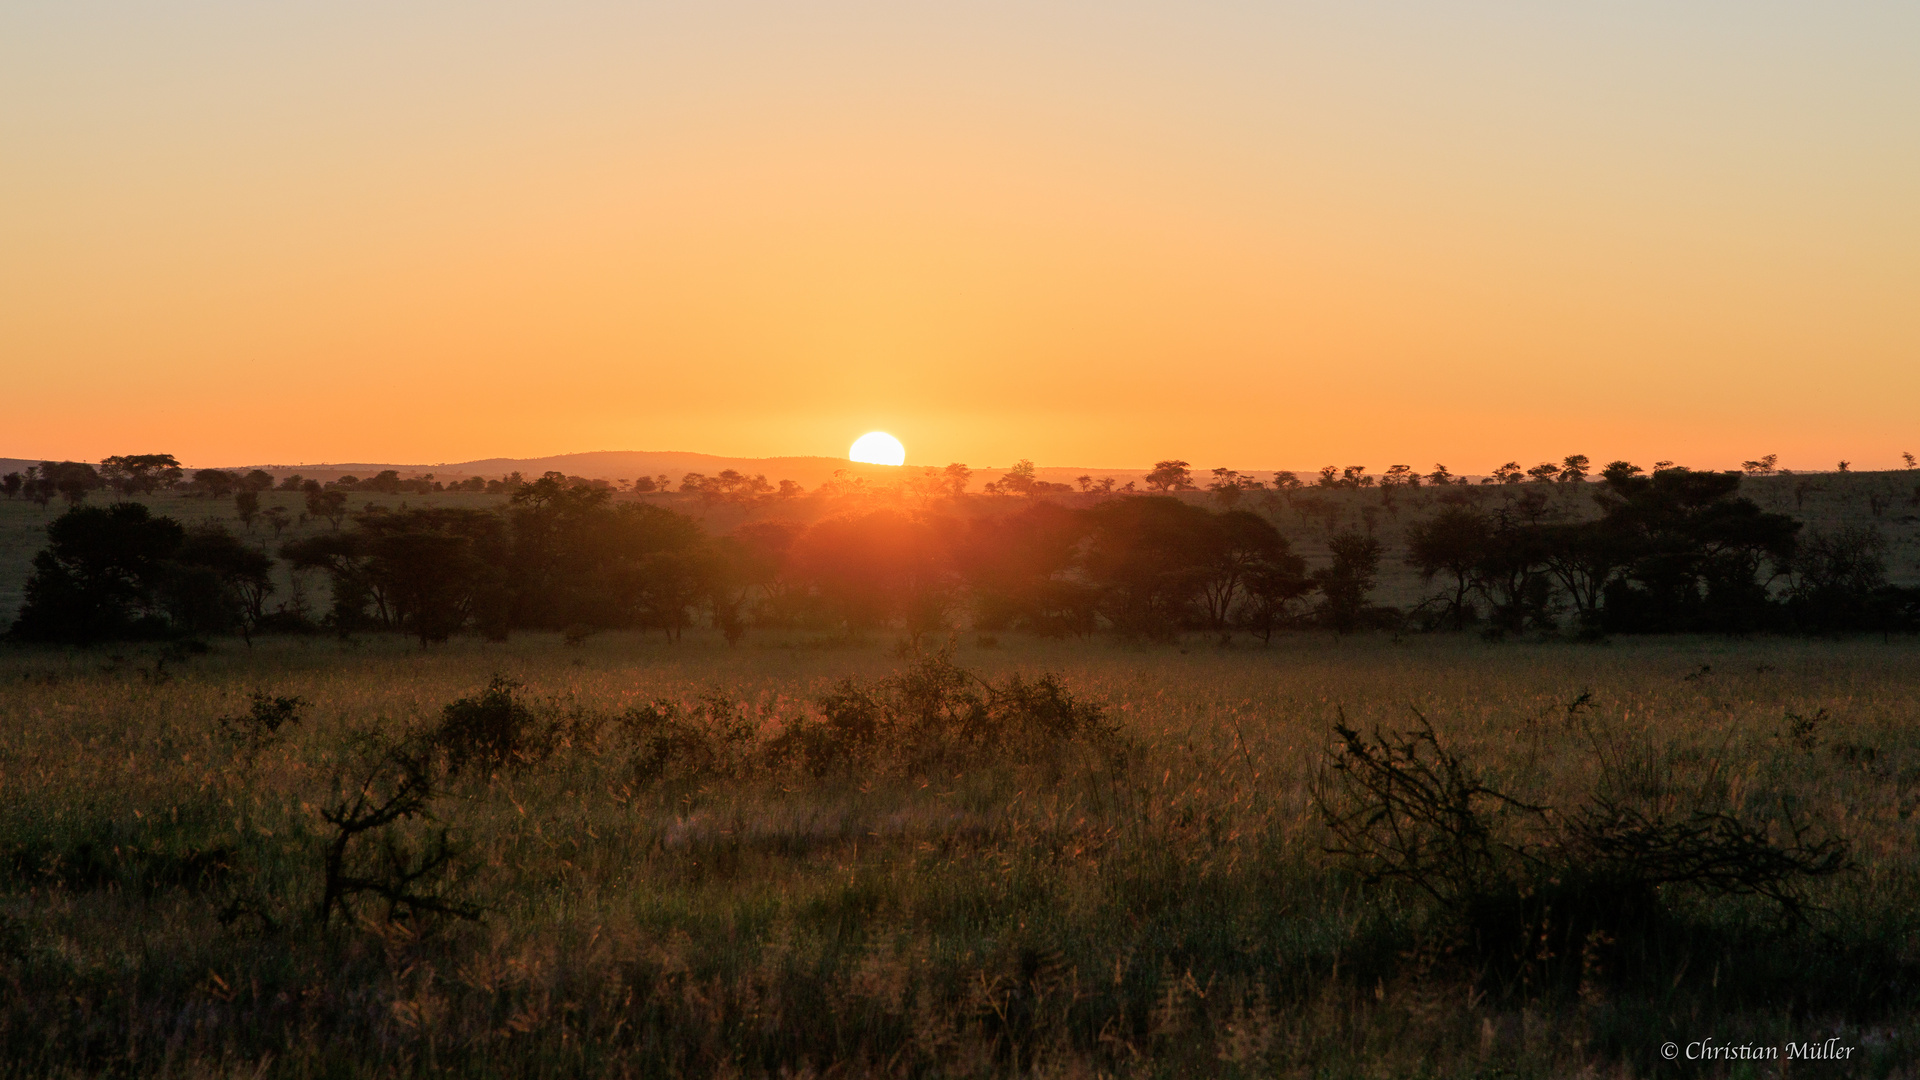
(1519,883)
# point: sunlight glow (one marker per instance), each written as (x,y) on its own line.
(878,448)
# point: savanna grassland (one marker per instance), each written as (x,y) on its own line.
(635,858)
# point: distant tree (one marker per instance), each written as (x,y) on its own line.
(1839,582)
(1020,479)
(1329,477)
(1355,476)
(140,474)
(1084,483)
(1510,473)
(36,488)
(1147,560)
(217,584)
(292,482)
(217,483)
(1764,466)
(957,477)
(1452,542)
(1284,480)
(1440,477)
(246,504)
(71,480)
(1665,466)
(257,480)
(1239,552)
(1226,488)
(1692,553)
(1620,471)
(1912,462)
(1574,468)
(11,484)
(1170,475)
(1544,473)
(99,576)
(881,569)
(277,519)
(1844,466)
(327,503)
(1346,583)
(789,489)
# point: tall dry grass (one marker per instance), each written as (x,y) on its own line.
(1163,905)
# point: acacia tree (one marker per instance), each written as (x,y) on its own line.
(1170,475)
(1346,582)
(140,474)
(1452,542)
(246,505)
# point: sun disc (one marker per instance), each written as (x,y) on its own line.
(877,448)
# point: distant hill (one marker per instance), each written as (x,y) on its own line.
(628,465)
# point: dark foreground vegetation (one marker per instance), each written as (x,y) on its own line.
(1344,857)
(1674,551)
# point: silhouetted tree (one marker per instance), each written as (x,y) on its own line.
(1573,469)
(140,474)
(246,505)
(879,569)
(1023,571)
(1440,477)
(11,484)
(215,584)
(1346,583)
(71,480)
(1237,548)
(1147,557)
(1763,466)
(1170,475)
(1693,552)
(329,504)
(99,576)
(1020,479)
(1453,542)
(218,483)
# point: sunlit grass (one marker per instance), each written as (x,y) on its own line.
(1165,909)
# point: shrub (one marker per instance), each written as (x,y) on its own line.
(1519,884)
(934,714)
(712,737)
(492,729)
(260,727)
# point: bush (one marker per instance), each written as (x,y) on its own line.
(1517,884)
(260,727)
(492,729)
(936,714)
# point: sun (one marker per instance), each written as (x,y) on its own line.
(878,448)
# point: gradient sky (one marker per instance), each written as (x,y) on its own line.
(1252,234)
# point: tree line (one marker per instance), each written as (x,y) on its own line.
(1674,550)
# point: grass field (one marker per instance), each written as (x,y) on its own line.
(1158,902)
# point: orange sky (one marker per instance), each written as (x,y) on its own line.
(1246,234)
